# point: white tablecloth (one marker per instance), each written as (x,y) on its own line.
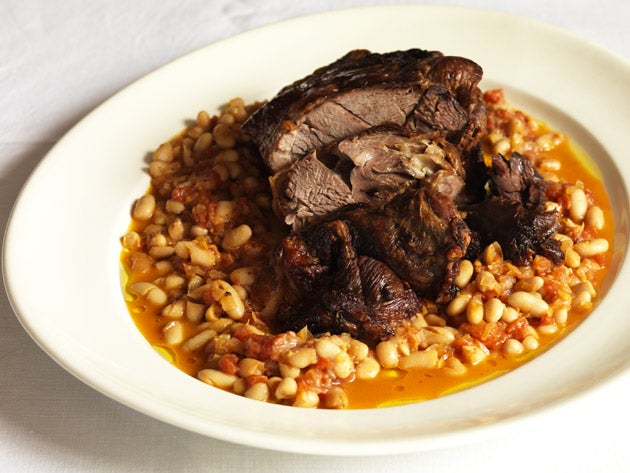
(60,59)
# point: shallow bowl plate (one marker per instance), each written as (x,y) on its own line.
(63,235)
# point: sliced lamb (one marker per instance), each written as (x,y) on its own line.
(416,89)
(307,190)
(372,167)
(375,161)
(389,161)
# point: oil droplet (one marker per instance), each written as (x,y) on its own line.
(165,353)
(389,373)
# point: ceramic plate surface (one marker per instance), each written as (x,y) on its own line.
(63,235)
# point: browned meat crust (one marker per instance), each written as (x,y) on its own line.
(376,165)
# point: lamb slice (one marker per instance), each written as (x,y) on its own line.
(420,235)
(327,287)
(308,190)
(371,167)
(389,160)
(438,110)
(362,90)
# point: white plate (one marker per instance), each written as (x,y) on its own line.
(62,244)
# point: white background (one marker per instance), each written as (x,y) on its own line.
(59,60)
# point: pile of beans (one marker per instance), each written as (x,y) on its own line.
(201,234)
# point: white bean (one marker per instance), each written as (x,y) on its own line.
(513,347)
(286,389)
(174,206)
(131,240)
(502,146)
(572,258)
(387,354)
(228,298)
(174,310)
(288,371)
(474,310)
(144,207)
(528,303)
(163,153)
(244,276)
(358,350)
(435,335)
(174,281)
(336,398)
(343,366)
(258,392)
(474,354)
(454,367)
(589,248)
(595,217)
(194,311)
(582,301)
(199,340)
(550,164)
(530,343)
(173,332)
(464,274)
(510,314)
(368,369)
(548,329)
(236,237)
(202,256)
(161,252)
(561,316)
(303,357)
(532,284)
(578,205)
(427,359)
(217,378)
(493,253)
(493,310)
(150,292)
(327,349)
(458,304)
(203,143)
(306,398)
(250,366)
(485,281)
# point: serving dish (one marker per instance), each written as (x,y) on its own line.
(61,249)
